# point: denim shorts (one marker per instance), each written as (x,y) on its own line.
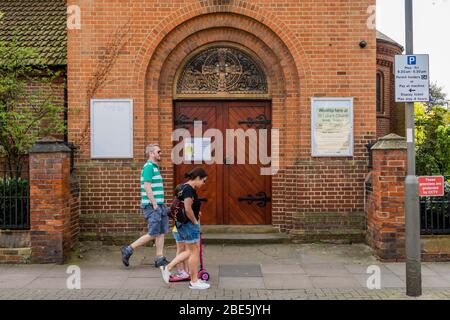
(157,220)
(189,232)
(176,236)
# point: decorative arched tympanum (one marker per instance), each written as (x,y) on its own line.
(221,71)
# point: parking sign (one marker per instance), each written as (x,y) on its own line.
(412,60)
(412,79)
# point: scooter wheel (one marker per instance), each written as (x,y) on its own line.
(204,275)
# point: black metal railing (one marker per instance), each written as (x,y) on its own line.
(435,213)
(14,198)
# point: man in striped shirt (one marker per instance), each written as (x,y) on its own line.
(155,210)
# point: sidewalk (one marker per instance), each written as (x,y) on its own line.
(282,271)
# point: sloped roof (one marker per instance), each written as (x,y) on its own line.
(38,24)
(382,37)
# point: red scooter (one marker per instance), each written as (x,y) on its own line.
(202,273)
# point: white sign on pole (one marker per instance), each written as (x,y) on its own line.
(412,78)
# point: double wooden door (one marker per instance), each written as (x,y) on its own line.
(236,193)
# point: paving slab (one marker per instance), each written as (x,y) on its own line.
(16,283)
(387,281)
(287,282)
(241,283)
(4,267)
(330,253)
(334,282)
(57,271)
(18,276)
(325,269)
(400,269)
(240,270)
(442,268)
(143,272)
(435,282)
(96,282)
(17,271)
(143,283)
(362,269)
(282,269)
(47,283)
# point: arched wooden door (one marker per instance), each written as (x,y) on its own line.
(237,194)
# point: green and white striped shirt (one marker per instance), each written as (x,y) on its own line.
(150,173)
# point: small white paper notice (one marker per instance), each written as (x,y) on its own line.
(197,149)
(409,135)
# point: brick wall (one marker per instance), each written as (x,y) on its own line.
(309,48)
(388,118)
(44,89)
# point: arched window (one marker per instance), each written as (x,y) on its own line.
(380,92)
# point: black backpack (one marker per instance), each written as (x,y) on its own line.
(177,211)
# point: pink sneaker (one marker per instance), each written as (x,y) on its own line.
(181,276)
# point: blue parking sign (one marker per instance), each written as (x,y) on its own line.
(412,78)
(412,60)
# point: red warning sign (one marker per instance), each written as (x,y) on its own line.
(431,186)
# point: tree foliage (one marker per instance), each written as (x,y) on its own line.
(433,135)
(25,114)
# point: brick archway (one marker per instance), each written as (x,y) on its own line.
(283,77)
(207,7)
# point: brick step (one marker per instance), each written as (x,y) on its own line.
(210,236)
(238,229)
(245,238)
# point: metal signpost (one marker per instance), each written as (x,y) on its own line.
(412,84)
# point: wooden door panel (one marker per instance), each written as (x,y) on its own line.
(245,180)
(208,112)
(244,183)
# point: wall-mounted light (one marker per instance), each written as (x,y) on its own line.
(363,44)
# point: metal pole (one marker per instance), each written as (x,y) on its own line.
(412,219)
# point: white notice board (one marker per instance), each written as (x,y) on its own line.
(332,127)
(111,128)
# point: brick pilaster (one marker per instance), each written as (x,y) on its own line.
(50,193)
(386,212)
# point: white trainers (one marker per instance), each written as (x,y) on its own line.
(199,285)
(165,274)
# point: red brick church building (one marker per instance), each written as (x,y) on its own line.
(137,70)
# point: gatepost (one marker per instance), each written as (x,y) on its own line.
(50,196)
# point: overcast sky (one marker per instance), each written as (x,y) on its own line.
(431,32)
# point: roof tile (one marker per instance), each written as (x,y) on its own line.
(38,24)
